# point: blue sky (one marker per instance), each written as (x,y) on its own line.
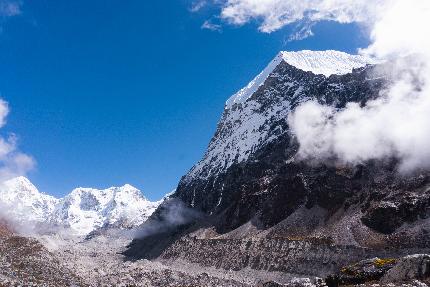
(104,93)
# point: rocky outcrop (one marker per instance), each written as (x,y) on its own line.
(384,272)
(396,207)
(361,272)
(408,268)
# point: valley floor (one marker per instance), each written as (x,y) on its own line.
(99,262)
(57,260)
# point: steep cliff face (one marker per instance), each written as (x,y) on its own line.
(250,171)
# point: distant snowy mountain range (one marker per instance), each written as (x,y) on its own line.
(82,211)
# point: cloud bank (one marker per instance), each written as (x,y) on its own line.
(397,124)
(173,213)
(12,162)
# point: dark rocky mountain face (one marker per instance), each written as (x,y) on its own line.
(258,198)
(270,184)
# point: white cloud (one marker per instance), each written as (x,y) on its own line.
(396,125)
(302,32)
(12,161)
(9,8)
(401,29)
(275,14)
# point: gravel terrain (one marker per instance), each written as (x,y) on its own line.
(99,262)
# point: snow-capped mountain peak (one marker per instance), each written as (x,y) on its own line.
(325,63)
(86,209)
(256,115)
(22,184)
(83,210)
(28,203)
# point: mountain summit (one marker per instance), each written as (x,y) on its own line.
(325,63)
(24,203)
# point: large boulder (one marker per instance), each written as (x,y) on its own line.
(361,272)
(410,267)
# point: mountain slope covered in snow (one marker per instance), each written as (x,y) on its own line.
(83,210)
(24,202)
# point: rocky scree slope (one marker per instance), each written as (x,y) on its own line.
(255,195)
(83,211)
(26,262)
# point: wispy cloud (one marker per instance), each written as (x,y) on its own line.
(12,161)
(198,5)
(301,32)
(208,25)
